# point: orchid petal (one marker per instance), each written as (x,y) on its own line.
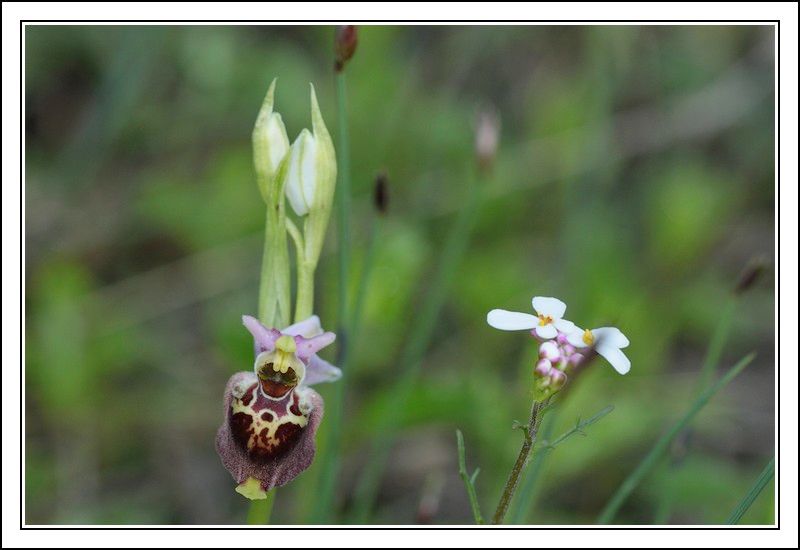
(511,320)
(308,347)
(307,328)
(264,337)
(552,307)
(319,370)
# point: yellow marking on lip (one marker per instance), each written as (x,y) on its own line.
(259,424)
(545,320)
(285,348)
(588,337)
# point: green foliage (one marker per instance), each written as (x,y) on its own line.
(634,180)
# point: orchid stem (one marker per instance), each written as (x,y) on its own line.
(261,510)
(331,459)
(537,412)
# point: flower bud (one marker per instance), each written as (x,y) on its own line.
(345,40)
(487,134)
(549,350)
(543,367)
(381,193)
(270,142)
(311,173)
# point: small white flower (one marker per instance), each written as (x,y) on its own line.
(608,341)
(546,323)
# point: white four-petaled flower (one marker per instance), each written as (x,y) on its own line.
(607,341)
(547,322)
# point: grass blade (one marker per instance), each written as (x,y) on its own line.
(766,476)
(469,481)
(661,446)
(411,356)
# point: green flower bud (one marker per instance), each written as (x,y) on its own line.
(270,143)
(311,174)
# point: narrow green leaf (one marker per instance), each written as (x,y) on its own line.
(469,482)
(765,477)
(661,446)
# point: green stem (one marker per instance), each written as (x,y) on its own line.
(717,343)
(363,284)
(274,298)
(765,477)
(331,459)
(260,511)
(411,356)
(537,411)
(651,459)
(305,291)
(527,493)
(468,481)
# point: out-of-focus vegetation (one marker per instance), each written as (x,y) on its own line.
(634,181)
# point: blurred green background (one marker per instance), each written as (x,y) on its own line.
(634,180)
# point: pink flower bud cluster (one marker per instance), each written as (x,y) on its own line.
(556,358)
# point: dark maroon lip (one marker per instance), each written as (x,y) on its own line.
(276,384)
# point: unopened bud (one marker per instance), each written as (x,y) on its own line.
(549,350)
(270,143)
(381,193)
(345,39)
(487,135)
(750,276)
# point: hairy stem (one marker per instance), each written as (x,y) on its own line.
(537,412)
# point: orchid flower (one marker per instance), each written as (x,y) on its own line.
(271,415)
(607,341)
(546,324)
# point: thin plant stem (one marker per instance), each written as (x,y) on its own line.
(527,492)
(469,481)
(305,291)
(412,353)
(717,343)
(331,458)
(260,511)
(708,371)
(661,446)
(763,479)
(530,432)
(366,274)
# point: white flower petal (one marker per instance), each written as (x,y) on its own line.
(547,331)
(610,336)
(614,355)
(576,338)
(511,320)
(567,327)
(553,307)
